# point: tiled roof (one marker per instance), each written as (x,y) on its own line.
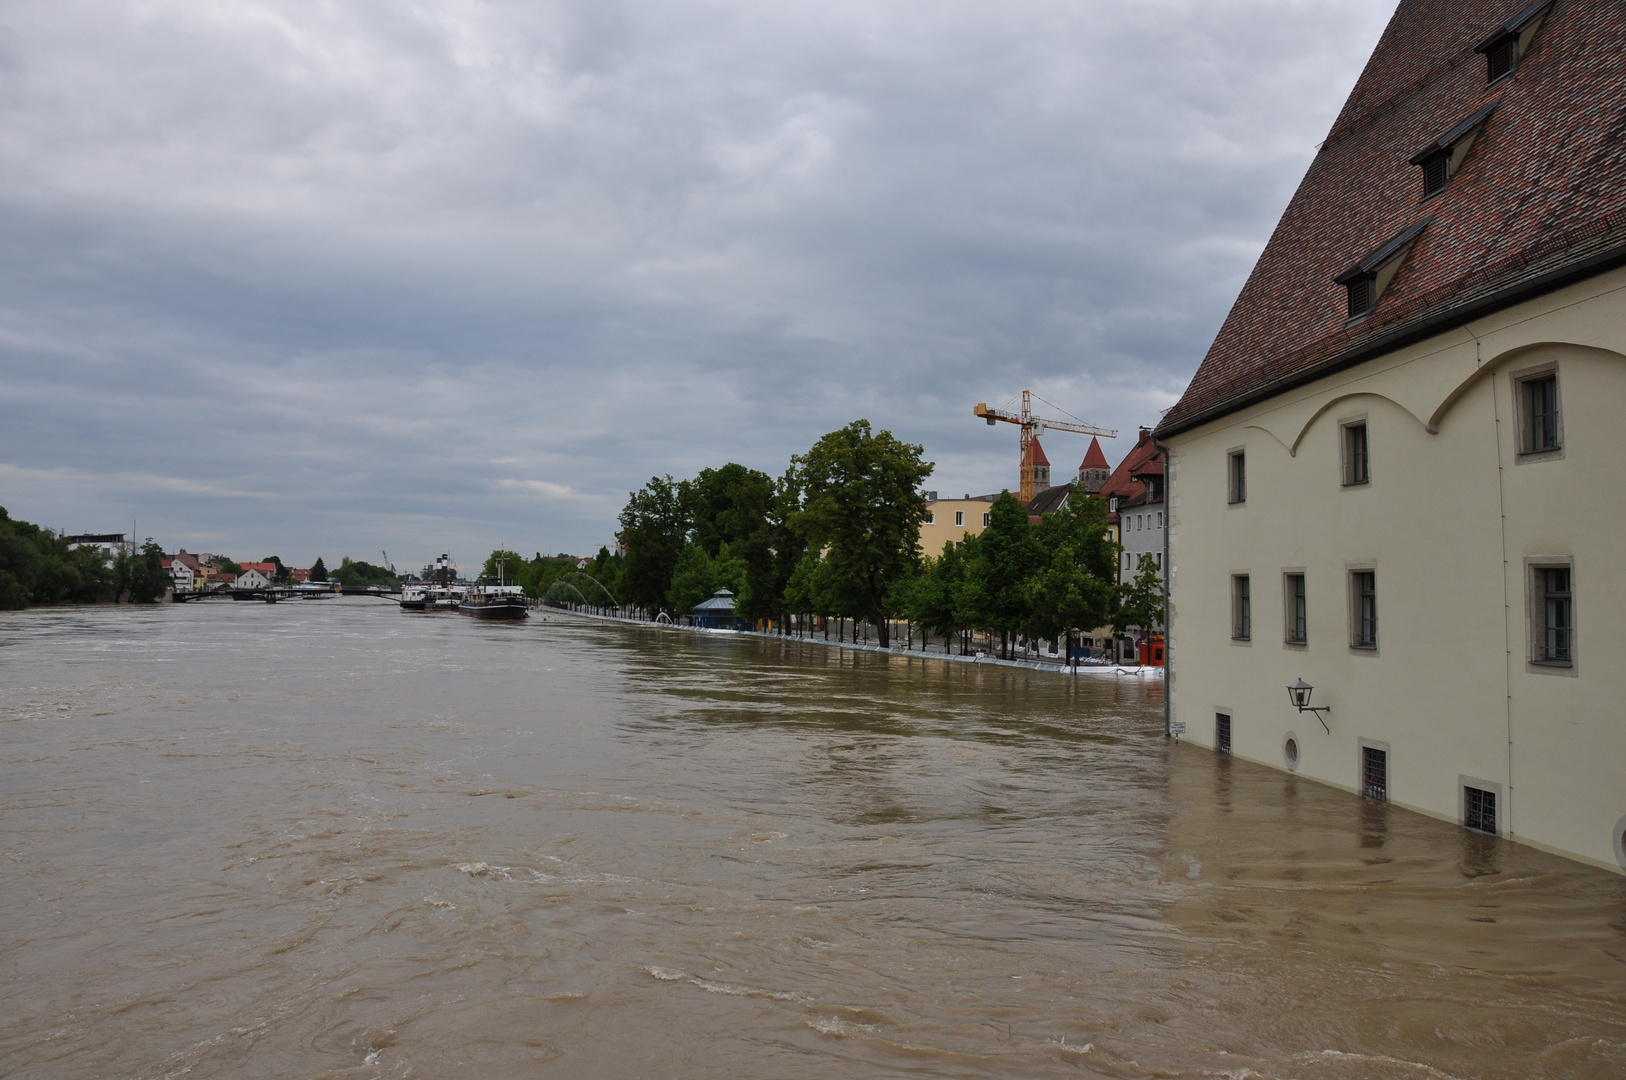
(1094,458)
(1035,455)
(1049,500)
(1538,202)
(1121,484)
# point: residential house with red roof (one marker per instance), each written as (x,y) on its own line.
(1395,477)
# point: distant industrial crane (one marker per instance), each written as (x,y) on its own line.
(1032,427)
(387,564)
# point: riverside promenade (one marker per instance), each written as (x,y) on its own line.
(1091,670)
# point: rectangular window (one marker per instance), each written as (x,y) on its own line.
(1479,809)
(1363,595)
(1375,773)
(1555,616)
(987,518)
(1239,476)
(1241,609)
(1297,621)
(1160,519)
(931,518)
(1222,733)
(1356,467)
(959,518)
(1538,398)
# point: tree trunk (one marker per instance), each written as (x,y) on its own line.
(883,633)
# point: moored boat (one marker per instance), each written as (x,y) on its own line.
(494,602)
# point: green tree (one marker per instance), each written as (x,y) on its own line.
(861,505)
(510,565)
(1076,588)
(934,597)
(282,575)
(226,566)
(1142,603)
(141,576)
(654,531)
(358,575)
(318,570)
(1006,555)
(693,580)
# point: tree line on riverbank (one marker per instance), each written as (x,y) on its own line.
(837,536)
(37,566)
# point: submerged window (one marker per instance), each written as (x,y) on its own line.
(1479,809)
(1375,773)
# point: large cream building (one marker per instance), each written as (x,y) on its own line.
(1397,474)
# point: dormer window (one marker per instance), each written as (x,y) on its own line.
(1508,43)
(1442,158)
(1367,279)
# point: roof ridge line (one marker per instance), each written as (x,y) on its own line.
(1393,101)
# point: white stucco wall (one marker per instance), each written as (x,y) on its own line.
(1449,688)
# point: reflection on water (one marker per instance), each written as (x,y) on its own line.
(335,840)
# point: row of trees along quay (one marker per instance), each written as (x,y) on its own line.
(836,540)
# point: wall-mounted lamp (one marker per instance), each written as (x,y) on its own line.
(1298,692)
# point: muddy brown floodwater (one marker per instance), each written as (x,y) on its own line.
(334,840)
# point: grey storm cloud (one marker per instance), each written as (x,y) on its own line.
(316,278)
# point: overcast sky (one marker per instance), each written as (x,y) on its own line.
(327,278)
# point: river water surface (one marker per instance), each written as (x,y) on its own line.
(333,840)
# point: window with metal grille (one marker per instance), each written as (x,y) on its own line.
(1241,608)
(1364,609)
(959,518)
(1540,413)
(1479,810)
(1375,773)
(1222,733)
(1361,295)
(986,518)
(1297,622)
(1356,466)
(1239,477)
(1554,644)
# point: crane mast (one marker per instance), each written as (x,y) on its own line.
(1032,426)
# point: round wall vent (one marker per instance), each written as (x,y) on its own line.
(1290,752)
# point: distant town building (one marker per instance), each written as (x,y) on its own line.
(253,577)
(180,572)
(1395,477)
(108,545)
(1135,510)
(950,521)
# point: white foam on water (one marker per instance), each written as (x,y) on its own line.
(485,870)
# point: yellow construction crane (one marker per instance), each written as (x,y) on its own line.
(1033,426)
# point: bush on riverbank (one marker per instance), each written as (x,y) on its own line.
(36,567)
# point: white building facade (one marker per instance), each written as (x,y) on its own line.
(1413,504)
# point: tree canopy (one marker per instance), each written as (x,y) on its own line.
(861,506)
